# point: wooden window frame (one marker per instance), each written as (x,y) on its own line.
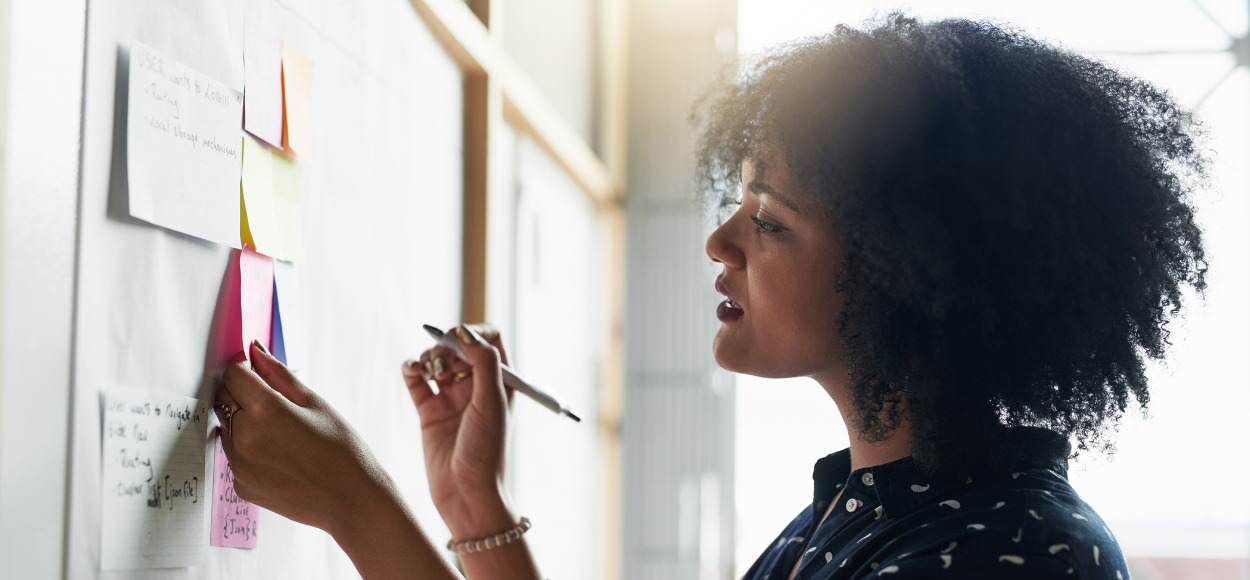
(497,91)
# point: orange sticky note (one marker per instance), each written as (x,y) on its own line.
(296,81)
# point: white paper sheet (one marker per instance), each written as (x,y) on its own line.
(154,490)
(183,132)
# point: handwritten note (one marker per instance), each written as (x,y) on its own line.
(296,80)
(234,519)
(153,480)
(262,94)
(183,148)
(271,194)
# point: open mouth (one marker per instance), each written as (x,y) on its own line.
(728,310)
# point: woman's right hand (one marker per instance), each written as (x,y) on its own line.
(464,429)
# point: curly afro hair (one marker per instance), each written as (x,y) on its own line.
(1017,220)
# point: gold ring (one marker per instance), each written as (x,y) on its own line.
(227,411)
(461,375)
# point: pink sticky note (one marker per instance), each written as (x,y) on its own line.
(262,89)
(245,306)
(234,519)
(255,298)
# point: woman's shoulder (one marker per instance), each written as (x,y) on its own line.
(1031,523)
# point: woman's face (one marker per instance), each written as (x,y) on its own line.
(780,257)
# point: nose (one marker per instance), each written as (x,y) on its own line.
(720,247)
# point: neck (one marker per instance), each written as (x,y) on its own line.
(865,453)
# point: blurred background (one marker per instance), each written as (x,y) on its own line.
(712,465)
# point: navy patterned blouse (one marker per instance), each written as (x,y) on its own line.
(1026,523)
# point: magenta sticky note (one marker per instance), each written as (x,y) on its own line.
(255,298)
(234,519)
(262,88)
(244,306)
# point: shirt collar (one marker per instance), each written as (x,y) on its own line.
(901,487)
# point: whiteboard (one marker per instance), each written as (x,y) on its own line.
(381,213)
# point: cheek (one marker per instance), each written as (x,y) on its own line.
(803,308)
(799,311)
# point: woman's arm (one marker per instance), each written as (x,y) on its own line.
(292,454)
(464,431)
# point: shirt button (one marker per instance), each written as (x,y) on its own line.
(867,478)
(852,504)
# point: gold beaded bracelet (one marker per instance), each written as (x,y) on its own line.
(480,544)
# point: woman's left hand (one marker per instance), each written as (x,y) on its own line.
(293,454)
(290,451)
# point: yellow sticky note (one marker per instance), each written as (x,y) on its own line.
(296,80)
(245,231)
(271,195)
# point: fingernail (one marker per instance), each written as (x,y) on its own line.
(411,365)
(429,369)
(260,346)
(476,337)
(464,335)
(438,366)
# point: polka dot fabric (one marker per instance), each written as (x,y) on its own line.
(1020,520)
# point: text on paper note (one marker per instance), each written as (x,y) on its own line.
(153,480)
(183,159)
(234,519)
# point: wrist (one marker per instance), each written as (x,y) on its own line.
(480,516)
(377,505)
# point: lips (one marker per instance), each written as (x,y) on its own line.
(724,291)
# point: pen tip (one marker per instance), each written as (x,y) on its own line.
(432,330)
(572,416)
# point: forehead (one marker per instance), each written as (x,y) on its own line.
(768,175)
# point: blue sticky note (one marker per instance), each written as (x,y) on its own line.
(278,345)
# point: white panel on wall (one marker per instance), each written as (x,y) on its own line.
(554,465)
(381,213)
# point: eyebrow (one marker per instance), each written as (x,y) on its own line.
(758,187)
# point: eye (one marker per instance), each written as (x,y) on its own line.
(766,227)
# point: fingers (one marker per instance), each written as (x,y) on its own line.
(491,334)
(488,390)
(250,391)
(278,376)
(418,387)
(223,398)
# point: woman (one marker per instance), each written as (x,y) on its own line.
(966,237)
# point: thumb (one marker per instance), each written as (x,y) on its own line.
(279,376)
(488,389)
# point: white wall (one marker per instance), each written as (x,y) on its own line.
(40,110)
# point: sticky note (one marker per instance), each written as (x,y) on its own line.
(153,481)
(276,340)
(234,520)
(296,82)
(288,316)
(255,297)
(262,89)
(244,308)
(183,154)
(271,195)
